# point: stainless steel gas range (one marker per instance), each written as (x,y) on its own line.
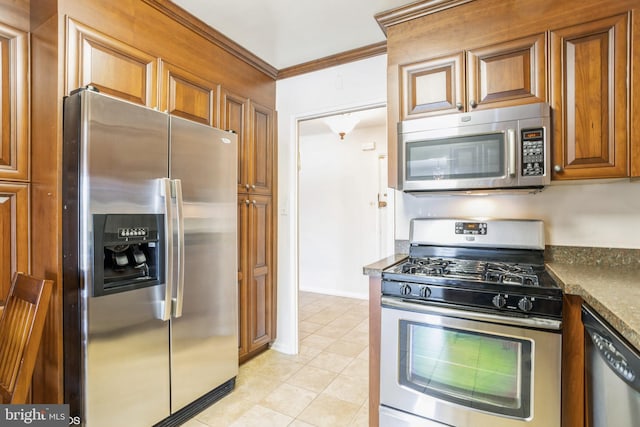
(471,328)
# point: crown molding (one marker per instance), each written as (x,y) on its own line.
(333,60)
(414,10)
(178,14)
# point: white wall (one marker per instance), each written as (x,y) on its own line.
(580,214)
(338,210)
(361,83)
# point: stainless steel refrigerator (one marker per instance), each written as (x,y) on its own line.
(149,263)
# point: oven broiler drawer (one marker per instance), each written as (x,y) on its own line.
(499,301)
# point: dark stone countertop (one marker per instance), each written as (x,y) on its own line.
(612,291)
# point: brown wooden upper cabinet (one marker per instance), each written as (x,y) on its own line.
(499,75)
(589,95)
(14,104)
(261,149)
(234,117)
(113,67)
(188,96)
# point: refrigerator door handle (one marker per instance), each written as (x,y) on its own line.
(165,304)
(177,303)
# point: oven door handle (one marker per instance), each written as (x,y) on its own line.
(527,322)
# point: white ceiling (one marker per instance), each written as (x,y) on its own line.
(285,33)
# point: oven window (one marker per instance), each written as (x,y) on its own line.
(478,156)
(486,372)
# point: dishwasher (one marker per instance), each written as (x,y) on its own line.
(612,375)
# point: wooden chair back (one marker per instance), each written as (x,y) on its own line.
(21,325)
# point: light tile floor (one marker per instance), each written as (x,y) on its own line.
(325,385)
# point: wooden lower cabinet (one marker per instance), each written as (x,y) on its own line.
(14,233)
(573,386)
(375,314)
(257,298)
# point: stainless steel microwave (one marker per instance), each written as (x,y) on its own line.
(499,149)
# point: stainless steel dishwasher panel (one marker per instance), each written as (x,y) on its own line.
(612,375)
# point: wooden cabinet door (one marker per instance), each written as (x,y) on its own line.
(14,104)
(261,149)
(14,233)
(510,73)
(234,117)
(434,86)
(589,71)
(186,95)
(243,302)
(113,67)
(260,286)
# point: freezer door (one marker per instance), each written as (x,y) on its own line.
(123,154)
(204,343)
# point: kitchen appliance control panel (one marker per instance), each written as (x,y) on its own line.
(140,232)
(471,228)
(532,152)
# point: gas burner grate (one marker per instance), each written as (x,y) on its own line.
(512,274)
(471,270)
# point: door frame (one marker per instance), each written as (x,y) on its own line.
(293,347)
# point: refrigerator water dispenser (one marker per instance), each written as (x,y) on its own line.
(127,252)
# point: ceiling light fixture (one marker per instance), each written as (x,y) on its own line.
(342,124)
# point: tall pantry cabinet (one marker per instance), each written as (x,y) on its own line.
(254,125)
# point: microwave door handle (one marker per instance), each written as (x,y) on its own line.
(511,140)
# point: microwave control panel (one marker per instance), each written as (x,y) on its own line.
(532,152)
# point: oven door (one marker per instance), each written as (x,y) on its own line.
(469,369)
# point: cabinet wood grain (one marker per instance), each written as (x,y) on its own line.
(110,65)
(257,301)
(243,293)
(14,233)
(573,409)
(375,314)
(235,109)
(509,73)
(589,69)
(254,126)
(186,95)
(14,104)
(260,155)
(433,86)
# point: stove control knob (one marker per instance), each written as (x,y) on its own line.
(525,304)
(405,289)
(425,292)
(499,301)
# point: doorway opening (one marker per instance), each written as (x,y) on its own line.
(345,211)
